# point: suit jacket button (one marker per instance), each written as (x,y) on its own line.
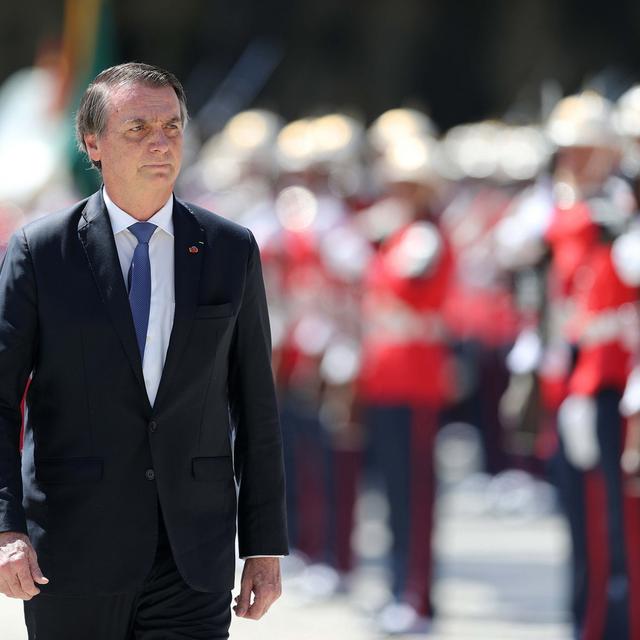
(153,426)
(150,474)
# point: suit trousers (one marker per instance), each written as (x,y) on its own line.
(163,608)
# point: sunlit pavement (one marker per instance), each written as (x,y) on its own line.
(499,578)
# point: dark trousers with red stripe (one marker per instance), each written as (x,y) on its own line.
(570,484)
(322,482)
(610,434)
(594,504)
(307,464)
(401,442)
(487,379)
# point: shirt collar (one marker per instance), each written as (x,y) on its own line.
(121,220)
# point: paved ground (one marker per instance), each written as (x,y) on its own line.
(499,578)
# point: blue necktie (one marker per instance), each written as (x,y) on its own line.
(139,281)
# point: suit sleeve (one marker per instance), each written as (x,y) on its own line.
(258,458)
(18,330)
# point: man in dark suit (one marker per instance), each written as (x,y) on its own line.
(143,324)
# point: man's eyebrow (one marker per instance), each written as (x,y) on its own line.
(139,120)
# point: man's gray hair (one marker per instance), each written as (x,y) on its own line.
(91,116)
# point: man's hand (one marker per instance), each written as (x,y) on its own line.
(262,576)
(19,567)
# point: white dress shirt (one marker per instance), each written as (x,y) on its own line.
(162,307)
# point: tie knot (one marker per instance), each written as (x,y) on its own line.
(143,231)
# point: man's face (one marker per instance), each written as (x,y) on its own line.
(141,146)
(586,166)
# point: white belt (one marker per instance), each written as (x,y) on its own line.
(402,324)
(621,324)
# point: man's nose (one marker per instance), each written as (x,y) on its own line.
(159,141)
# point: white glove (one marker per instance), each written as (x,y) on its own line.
(577,428)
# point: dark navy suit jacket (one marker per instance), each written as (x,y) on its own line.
(97,456)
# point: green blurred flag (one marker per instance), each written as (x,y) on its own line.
(90,46)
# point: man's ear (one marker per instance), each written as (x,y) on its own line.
(91,143)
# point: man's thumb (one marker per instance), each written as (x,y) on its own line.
(36,573)
(243,600)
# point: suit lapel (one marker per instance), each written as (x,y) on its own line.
(188,267)
(96,235)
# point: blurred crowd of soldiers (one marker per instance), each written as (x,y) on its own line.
(489,276)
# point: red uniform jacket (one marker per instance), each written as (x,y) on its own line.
(405,356)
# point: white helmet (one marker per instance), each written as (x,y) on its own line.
(295,145)
(627,115)
(337,139)
(399,123)
(583,120)
(252,132)
(524,152)
(408,159)
(472,151)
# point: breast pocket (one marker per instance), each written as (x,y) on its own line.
(223,310)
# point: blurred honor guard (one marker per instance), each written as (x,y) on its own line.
(626,258)
(404,376)
(489,160)
(321,262)
(143,322)
(591,307)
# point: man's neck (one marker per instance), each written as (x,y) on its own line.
(140,206)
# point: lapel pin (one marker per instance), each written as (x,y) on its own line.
(193,249)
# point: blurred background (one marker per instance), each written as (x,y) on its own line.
(445,195)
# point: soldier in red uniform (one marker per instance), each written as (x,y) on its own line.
(404,378)
(589,304)
(309,231)
(480,310)
(577,347)
(626,257)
